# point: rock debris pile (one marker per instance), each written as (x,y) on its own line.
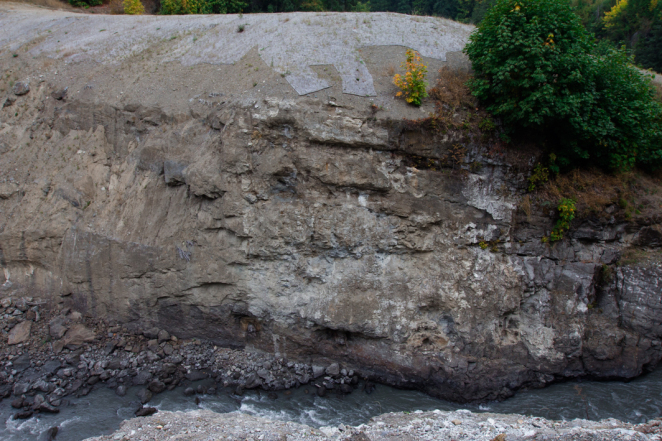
(47,355)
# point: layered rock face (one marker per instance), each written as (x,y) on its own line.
(296,226)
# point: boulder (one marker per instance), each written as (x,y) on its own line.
(23,415)
(121,390)
(77,335)
(143,377)
(144,395)
(152,333)
(20,333)
(333,369)
(253,381)
(47,408)
(146,411)
(196,375)
(22,362)
(318,371)
(163,335)
(156,386)
(57,327)
(21,88)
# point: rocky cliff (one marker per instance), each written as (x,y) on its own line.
(157,172)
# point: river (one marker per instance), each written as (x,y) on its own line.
(102,410)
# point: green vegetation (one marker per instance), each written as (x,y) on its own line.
(173,7)
(566,215)
(133,7)
(537,69)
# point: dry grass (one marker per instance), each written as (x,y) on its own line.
(630,196)
(658,91)
(451,89)
(51,4)
(116,6)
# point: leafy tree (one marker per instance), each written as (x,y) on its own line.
(649,50)
(535,67)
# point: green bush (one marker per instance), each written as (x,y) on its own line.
(133,7)
(536,67)
(181,7)
(84,3)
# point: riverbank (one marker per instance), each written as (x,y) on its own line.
(49,354)
(436,425)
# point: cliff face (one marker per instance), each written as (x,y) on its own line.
(294,224)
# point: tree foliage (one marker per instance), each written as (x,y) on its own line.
(133,7)
(536,67)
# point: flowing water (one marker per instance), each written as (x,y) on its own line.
(102,411)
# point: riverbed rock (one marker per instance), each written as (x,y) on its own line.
(156,386)
(20,333)
(144,395)
(120,390)
(143,377)
(333,369)
(23,415)
(146,411)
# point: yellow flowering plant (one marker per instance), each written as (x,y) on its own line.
(566,215)
(412,84)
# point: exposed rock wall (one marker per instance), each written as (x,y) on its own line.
(294,225)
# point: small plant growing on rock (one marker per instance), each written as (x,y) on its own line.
(413,82)
(566,215)
(133,7)
(540,175)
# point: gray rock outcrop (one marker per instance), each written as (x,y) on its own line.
(301,227)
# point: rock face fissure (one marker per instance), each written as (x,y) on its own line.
(294,226)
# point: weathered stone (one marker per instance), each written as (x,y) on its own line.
(23,415)
(20,333)
(163,336)
(22,362)
(152,333)
(197,374)
(156,386)
(57,327)
(78,334)
(146,411)
(189,391)
(333,369)
(144,395)
(121,390)
(318,371)
(142,378)
(21,88)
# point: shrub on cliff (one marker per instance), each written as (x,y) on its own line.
(179,7)
(133,7)
(535,68)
